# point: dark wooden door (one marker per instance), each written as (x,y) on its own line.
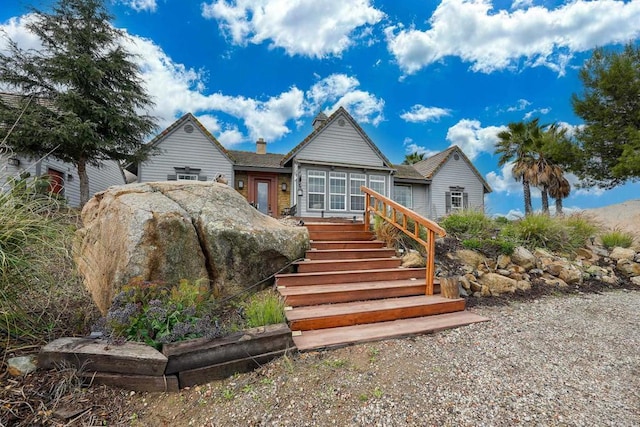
(56,182)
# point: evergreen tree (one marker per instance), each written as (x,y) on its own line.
(610,108)
(82,91)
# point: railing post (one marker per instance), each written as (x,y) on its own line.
(430,262)
(367,202)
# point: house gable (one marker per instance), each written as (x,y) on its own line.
(186,148)
(451,171)
(341,140)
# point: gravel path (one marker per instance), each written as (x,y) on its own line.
(557,361)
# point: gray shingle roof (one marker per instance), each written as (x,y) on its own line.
(407,172)
(249,158)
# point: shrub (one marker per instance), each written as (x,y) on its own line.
(490,247)
(266,308)
(386,232)
(153,313)
(468,224)
(34,237)
(616,238)
(556,234)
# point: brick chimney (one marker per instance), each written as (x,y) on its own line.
(261,146)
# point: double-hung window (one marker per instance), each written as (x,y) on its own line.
(402,194)
(316,183)
(377,184)
(356,180)
(337,191)
(456,201)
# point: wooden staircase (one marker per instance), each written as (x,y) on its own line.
(350,289)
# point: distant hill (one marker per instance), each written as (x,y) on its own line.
(625,216)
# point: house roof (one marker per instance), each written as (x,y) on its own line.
(158,138)
(249,158)
(339,112)
(408,172)
(430,166)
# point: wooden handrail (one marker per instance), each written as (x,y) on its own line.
(388,210)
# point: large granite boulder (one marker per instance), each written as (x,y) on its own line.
(167,231)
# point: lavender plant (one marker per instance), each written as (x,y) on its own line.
(156,314)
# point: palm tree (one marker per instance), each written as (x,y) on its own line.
(559,188)
(412,158)
(517,144)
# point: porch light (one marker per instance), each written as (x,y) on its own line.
(13,161)
(240,184)
(300,192)
(284,186)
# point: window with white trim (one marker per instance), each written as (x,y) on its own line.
(402,194)
(337,191)
(187,177)
(356,180)
(377,183)
(316,183)
(457,201)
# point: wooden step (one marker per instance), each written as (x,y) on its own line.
(349,254)
(332,226)
(347,244)
(361,312)
(333,277)
(340,235)
(347,264)
(336,337)
(296,296)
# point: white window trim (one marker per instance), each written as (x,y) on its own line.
(410,187)
(379,179)
(460,196)
(341,176)
(362,181)
(323,175)
(187,177)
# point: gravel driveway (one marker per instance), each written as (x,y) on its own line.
(557,361)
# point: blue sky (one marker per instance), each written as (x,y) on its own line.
(417,75)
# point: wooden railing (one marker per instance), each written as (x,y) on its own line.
(399,216)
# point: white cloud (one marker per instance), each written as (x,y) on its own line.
(311,28)
(341,90)
(537,111)
(521,4)
(141,5)
(15,30)
(472,138)
(520,105)
(494,39)
(177,89)
(420,113)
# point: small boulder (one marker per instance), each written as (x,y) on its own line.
(471,258)
(636,280)
(523,285)
(619,253)
(571,275)
(498,284)
(413,259)
(23,365)
(503,261)
(629,268)
(553,281)
(523,257)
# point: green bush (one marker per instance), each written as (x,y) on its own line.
(490,247)
(616,238)
(564,235)
(153,313)
(467,224)
(266,308)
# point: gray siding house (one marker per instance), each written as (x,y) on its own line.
(187,151)
(63,176)
(455,184)
(319,177)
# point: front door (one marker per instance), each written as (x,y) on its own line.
(56,182)
(262,192)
